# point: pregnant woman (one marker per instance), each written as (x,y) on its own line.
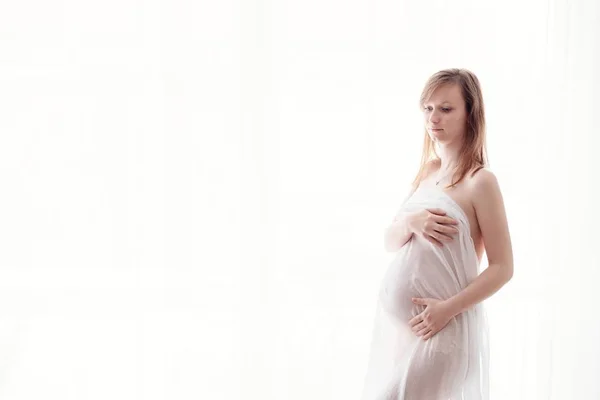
(430,335)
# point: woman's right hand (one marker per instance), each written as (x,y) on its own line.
(433,225)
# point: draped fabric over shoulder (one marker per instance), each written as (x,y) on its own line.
(454,363)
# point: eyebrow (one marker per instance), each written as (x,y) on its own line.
(443,102)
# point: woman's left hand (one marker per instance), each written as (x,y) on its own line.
(433,319)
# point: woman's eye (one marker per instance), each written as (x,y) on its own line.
(427,108)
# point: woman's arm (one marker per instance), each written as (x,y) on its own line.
(491,216)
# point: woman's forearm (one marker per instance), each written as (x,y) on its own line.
(398,233)
(483,286)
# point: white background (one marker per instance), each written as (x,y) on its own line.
(194,194)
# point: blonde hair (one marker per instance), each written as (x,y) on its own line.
(473,155)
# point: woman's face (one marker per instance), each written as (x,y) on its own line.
(445,114)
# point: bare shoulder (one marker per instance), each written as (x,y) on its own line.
(483,181)
(485,194)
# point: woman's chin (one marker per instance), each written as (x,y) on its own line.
(438,136)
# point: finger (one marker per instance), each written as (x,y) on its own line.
(441,236)
(434,241)
(423,331)
(445,220)
(415,320)
(420,300)
(437,211)
(428,335)
(451,221)
(419,327)
(449,230)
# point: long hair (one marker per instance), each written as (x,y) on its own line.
(473,154)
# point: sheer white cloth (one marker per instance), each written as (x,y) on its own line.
(454,363)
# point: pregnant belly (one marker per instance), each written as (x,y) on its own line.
(412,270)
